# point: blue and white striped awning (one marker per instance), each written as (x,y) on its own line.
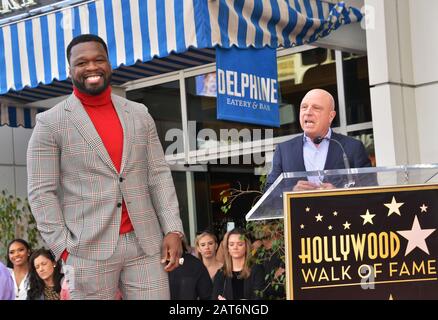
(32,51)
(276,23)
(121,75)
(17,116)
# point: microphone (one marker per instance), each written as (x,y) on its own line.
(351,182)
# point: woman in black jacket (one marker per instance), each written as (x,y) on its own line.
(190,281)
(237,279)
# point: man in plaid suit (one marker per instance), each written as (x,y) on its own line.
(100,189)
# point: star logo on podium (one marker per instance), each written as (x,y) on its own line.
(394,207)
(347,225)
(416,237)
(367,217)
(423,208)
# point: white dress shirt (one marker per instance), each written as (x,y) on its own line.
(315,155)
(21,290)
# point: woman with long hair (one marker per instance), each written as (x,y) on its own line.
(206,246)
(17,259)
(238,279)
(45,276)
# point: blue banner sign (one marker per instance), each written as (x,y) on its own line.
(247,85)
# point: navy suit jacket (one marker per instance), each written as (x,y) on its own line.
(288,156)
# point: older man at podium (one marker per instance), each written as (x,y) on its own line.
(318,148)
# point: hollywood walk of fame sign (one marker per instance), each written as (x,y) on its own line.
(368,243)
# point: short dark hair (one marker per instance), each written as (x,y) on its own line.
(85,38)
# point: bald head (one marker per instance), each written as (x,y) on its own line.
(317,112)
(324,96)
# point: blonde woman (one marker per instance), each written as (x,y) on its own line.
(206,246)
(237,279)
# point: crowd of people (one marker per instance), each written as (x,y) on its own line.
(30,275)
(204,272)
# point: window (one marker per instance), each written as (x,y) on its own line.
(202,114)
(164,105)
(297,74)
(356,88)
(367,138)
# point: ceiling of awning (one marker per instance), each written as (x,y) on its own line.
(150,37)
(123,74)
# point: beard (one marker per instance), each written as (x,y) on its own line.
(92,91)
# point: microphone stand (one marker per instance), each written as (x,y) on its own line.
(351,182)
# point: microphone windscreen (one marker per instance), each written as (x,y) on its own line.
(318,140)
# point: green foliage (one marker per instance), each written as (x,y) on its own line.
(16,221)
(270,245)
(263,179)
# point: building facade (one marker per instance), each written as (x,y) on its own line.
(381,77)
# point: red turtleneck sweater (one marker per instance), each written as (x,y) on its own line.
(101,111)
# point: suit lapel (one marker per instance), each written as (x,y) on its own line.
(82,122)
(124,113)
(300,154)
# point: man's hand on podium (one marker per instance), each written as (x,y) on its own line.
(304,185)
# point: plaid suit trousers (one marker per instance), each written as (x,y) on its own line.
(139,277)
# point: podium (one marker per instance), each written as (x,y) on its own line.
(372,235)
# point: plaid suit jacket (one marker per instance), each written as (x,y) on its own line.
(74,188)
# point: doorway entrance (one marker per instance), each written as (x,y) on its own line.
(199,191)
